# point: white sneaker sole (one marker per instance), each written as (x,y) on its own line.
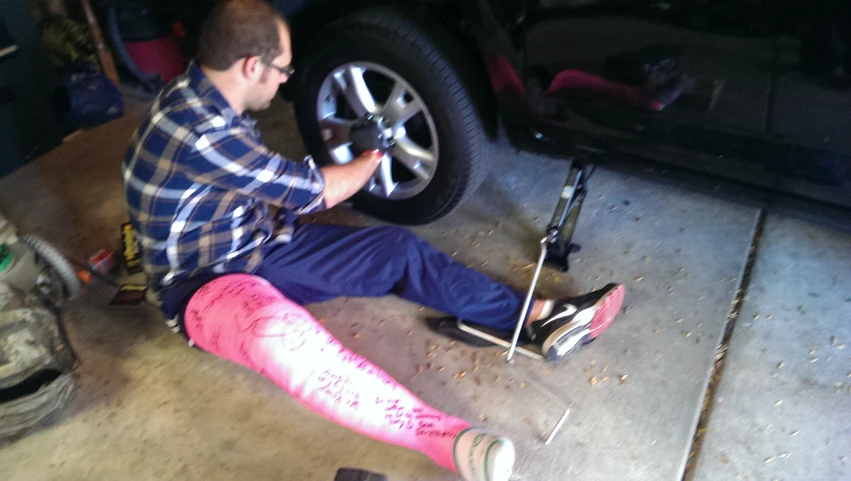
(569,337)
(586,325)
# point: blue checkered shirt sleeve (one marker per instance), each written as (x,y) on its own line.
(235,159)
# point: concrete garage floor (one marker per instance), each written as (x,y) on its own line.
(149,407)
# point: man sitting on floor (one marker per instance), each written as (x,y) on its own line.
(208,198)
(216,213)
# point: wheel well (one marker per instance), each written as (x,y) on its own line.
(308,17)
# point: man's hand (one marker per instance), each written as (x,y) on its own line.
(343,181)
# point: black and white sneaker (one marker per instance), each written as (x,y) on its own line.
(576,321)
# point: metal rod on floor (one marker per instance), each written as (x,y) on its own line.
(546,392)
(558,426)
(499,342)
(523,312)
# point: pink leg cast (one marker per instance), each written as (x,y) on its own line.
(245,319)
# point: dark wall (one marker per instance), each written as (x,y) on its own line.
(27,80)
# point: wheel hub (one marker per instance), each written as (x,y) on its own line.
(371,133)
(365,106)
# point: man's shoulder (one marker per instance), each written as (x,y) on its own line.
(181,106)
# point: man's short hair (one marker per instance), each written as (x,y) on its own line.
(237,29)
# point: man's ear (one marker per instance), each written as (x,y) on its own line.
(252,68)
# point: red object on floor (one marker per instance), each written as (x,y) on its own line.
(158,56)
(102,261)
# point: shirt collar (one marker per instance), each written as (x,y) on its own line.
(200,83)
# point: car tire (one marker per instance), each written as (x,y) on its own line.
(426,59)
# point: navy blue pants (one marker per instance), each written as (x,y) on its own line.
(327,261)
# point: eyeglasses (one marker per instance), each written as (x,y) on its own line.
(287,70)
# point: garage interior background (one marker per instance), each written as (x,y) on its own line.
(58,68)
(28,123)
(52,86)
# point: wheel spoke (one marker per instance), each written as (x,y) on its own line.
(385,175)
(352,85)
(397,93)
(417,159)
(417,169)
(339,131)
(397,111)
(342,155)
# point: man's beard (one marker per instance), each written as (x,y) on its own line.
(263,104)
(258,105)
(259,108)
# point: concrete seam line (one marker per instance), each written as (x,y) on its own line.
(721,351)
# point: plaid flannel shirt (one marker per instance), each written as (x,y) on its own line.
(203,191)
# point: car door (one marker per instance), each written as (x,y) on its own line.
(765,83)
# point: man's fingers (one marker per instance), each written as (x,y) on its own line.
(374,155)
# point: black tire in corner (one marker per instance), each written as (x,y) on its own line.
(426,57)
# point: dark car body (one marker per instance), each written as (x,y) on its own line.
(770,110)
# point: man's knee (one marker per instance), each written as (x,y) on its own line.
(397,237)
(400,245)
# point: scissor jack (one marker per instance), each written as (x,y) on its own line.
(556,246)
